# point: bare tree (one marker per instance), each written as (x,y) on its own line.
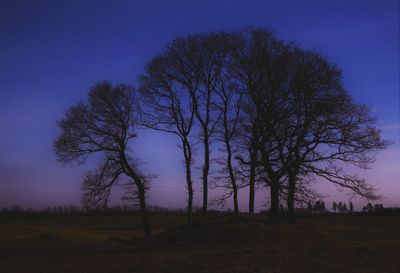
(244,67)
(229,98)
(103,125)
(168,108)
(306,122)
(327,128)
(261,63)
(194,64)
(209,54)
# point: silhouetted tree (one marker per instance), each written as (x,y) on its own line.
(168,108)
(340,207)
(334,206)
(369,208)
(319,206)
(206,60)
(229,99)
(300,120)
(308,124)
(327,127)
(244,69)
(260,63)
(378,208)
(103,125)
(351,207)
(263,65)
(323,208)
(196,63)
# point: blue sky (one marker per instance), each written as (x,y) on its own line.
(51,52)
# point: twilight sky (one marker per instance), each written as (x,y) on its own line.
(51,52)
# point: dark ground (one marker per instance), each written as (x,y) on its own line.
(216,244)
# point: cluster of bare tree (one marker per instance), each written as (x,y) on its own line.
(280,114)
(342,207)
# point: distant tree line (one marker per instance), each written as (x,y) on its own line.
(316,208)
(380,210)
(279,115)
(16,210)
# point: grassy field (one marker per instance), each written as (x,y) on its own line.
(214,244)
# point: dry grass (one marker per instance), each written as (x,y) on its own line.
(215,244)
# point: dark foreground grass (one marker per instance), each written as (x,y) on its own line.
(216,244)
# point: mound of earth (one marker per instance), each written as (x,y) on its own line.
(231,231)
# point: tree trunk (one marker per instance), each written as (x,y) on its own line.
(189,183)
(206,169)
(143,210)
(190,201)
(141,192)
(290,197)
(251,189)
(252,180)
(274,188)
(235,200)
(190,192)
(292,179)
(232,175)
